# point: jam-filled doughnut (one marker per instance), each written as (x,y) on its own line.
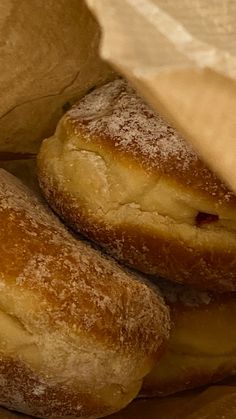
(119,174)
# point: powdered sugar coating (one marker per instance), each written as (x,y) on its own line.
(80,283)
(87,331)
(114,114)
(116,111)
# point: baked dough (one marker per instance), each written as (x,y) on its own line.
(77,333)
(120,175)
(202,345)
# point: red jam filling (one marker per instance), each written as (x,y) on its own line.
(204,218)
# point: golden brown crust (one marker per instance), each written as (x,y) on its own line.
(34,396)
(202,345)
(137,189)
(69,317)
(204,267)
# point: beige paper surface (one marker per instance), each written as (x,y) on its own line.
(181,55)
(48,58)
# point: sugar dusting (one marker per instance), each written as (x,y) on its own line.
(82,286)
(90,320)
(116,111)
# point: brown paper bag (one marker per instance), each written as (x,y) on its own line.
(181,55)
(48,58)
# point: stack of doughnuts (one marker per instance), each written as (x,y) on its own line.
(127,289)
(77,333)
(117,173)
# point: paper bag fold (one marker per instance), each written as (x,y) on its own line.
(181,56)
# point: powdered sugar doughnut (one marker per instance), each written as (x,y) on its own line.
(77,333)
(120,175)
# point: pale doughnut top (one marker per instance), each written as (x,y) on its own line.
(120,120)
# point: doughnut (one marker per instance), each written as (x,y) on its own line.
(202,345)
(77,333)
(120,175)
